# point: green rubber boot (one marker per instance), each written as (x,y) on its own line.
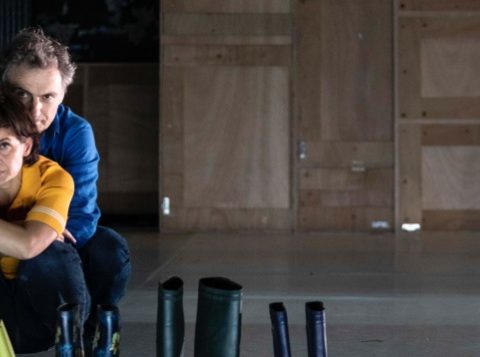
(170,318)
(219,312)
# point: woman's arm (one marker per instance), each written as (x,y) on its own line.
(25,241)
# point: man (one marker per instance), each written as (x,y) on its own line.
(38,69)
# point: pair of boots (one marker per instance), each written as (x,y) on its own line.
(316,332)
(69,337)
(218,323)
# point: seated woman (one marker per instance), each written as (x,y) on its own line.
(38,270)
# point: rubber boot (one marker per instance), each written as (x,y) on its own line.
(219,315)
(68,339)
(170,318)
(107,334)
(281,339)
(316,331)
(6,349)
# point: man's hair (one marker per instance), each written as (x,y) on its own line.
(15,117)
(32,47)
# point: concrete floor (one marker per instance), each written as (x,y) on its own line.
(384,294)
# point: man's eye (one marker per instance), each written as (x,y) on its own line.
(21,94)
(4,146)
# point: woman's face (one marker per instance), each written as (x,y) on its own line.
(12,153)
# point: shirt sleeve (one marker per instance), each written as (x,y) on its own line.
(80,159)
(53,199)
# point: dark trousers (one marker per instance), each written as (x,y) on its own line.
(97,273)
(28,303)
(107,268)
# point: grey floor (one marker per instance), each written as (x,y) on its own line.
(385,294)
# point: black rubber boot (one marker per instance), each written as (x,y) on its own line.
(68,340)
(316,331)
(219,315)
(281,339)
(170,318)
(107,334)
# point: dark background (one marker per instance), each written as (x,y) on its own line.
(95,30)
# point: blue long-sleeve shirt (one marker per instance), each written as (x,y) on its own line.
(69,141)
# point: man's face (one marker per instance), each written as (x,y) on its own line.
(40,89)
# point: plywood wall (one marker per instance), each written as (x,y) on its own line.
(438,113)
(315,115)
(344,115)
(225,114)
(121,103)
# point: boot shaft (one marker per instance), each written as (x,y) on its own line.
(218,324)
(68,339)
(170,318)
(281,338)
(107,334)
(316,329)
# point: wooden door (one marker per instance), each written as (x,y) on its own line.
(225,114)
(343,115)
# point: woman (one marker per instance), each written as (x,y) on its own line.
(38,270)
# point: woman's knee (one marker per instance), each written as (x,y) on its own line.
(58,258)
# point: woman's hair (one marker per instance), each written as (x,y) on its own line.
(15,117)
(32,47)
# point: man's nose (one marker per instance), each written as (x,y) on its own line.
(36,108)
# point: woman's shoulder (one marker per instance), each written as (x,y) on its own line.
(51,171)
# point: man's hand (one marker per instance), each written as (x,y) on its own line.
(67,236)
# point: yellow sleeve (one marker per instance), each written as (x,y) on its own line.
(53,197)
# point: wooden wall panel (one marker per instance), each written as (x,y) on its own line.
(438,67)
(225,117)
(356,101)
(121,103)
(457,187)
(309,67)
(451,220)
(253,24)
(450,67)
(344,114)
(227,6)
(438,5)
(451,135)
(410,175)
(349,154)
(236,127)
(438,114)
(227,55)
(171,134)
(132,113)
(227,219)
(346,218)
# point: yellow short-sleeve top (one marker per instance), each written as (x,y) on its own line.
(45,194)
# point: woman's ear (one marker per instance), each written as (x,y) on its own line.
(27,148)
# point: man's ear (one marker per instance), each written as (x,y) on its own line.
(27,149)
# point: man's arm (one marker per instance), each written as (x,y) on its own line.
(81,161)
